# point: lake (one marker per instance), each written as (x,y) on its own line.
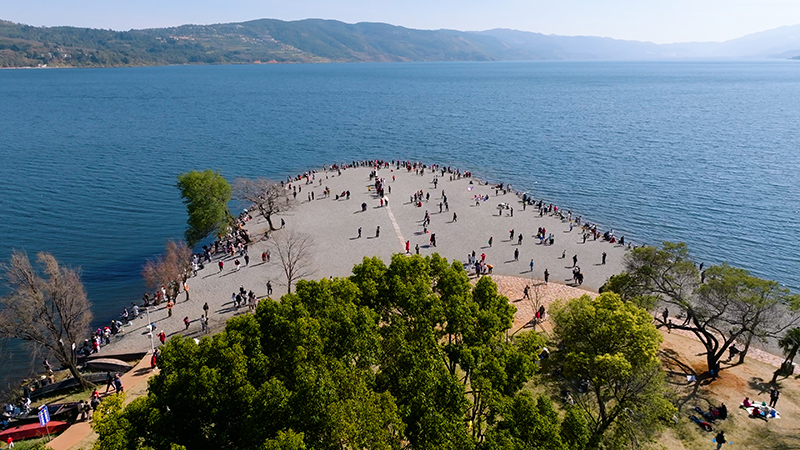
(701,152)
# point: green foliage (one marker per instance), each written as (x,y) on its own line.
(259,40)
(730,305)
(206,195)
(286,440)
(527,423)
(790,343)
(574,430)
(406,355)
(613,344)
(630,290)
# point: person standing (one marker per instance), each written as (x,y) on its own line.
(574,260)
(205,309)
(490,242)
(221,265)
(169,308)
(186,322)
(416,248)
(774,394)
(546,275)
(516,254)
(408,247)
(269,287)
(246,259)
(532,264)
(378,231)
(359,232)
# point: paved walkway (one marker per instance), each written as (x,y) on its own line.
(333,224)
(80,435)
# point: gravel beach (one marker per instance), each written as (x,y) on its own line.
(334,223)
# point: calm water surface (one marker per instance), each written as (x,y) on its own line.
(701,152)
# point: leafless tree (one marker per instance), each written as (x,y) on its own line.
(50,311)
(170,269)
(269,197)
(295,251)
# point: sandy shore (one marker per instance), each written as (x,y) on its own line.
(334,226)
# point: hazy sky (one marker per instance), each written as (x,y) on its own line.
(660,21)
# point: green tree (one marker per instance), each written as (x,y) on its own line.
(409,355)
(206,195)
(527,423)
(731,305)
(790,344)
(613,345)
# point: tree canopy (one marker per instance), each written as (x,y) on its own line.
(613,345)
(409,355)
(206,195)
(724,306)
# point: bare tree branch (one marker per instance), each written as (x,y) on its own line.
(269,197)
(295,251)
(50,311)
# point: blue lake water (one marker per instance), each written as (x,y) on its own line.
(702,152)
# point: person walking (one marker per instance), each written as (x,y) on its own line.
(378,231)
(186,322)
(526,293)
(774,394)
(359,232)
(263,257)
(109,381)
(408,247)
(269,287)
(246,259)
(118,388)
(546,275)
(205,308)
(169,308)
(455,217)
(532,264)
(604,258)
(516,254)
(221,265)
(720,439)
(574,260)
(490,242)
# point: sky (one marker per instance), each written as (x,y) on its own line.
(659,21)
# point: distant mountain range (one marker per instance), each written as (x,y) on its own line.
(315,40)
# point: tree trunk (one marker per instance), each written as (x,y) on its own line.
(269,221)
(77,375)
(746,347)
